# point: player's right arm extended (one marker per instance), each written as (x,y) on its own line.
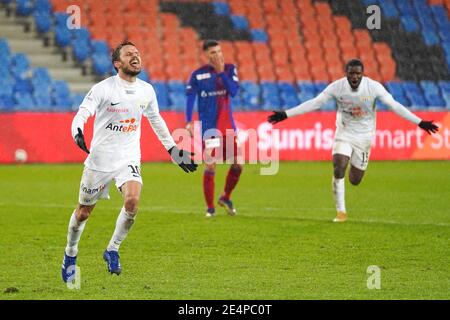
(305,107)
(78,123)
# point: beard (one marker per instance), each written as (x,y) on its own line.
(131,72)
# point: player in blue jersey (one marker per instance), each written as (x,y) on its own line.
(213,85)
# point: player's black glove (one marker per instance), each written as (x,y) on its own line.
(428,126)
(183,159)
(277,116)
(79,140)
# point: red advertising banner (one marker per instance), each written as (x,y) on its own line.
(46,137)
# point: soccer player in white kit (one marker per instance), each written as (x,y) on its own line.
(355,97)
(118,104)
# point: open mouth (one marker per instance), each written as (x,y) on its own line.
(134,63)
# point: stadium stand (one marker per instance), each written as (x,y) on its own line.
(286,51)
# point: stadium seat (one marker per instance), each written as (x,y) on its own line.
(24,7)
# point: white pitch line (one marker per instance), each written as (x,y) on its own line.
(162,209)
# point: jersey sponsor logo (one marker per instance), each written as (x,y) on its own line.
(127,125)
(117,110)
(130,91)
(356,112)
(203,76)
(205,94)
(91,191)
(113,104)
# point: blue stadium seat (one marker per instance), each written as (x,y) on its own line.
(176,86)
(162,95)
(77,99)
(61,19)
(259,35)
(304,86)
(329,106)
(177,101)
(80,49)
(81,34)
(6,89)
(62,36)
(23,86)
(42,100)
(60,94)
(43,6)
(42,75)
(429,87)
(250,87)
(24,7)
(19,65)
(101,64)
(221,8)
(143,75)
(430,37)
(239,22)
(42,21)
(409,24)
(100,47)
(4,47)
(23,101)
(287,87)
(6,103)
(389,9)
(237,104)
(305,96)
(289,99)
(446,97)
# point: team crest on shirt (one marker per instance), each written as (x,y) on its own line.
(143,105)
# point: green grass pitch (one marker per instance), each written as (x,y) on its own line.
(282,244)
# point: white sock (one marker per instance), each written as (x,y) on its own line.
(123,226)
(339,194)
(73,235)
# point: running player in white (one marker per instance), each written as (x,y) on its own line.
(355,97)
(118,104)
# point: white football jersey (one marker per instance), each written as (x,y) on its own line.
(356,110)
(118,106)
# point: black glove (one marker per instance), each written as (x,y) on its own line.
(428,126)
(79,140)
(277,116)
(183,159)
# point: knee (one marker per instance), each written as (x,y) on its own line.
(355,180)
(131,203)
(339,173)
(210,168)
(236,167)
(83,213)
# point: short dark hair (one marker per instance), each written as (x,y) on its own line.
(209,43)
(115,55)
(354,63)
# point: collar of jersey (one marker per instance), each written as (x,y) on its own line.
(125,83)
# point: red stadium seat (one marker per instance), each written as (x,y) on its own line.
(301,72)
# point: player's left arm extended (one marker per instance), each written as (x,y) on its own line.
(231,82)
(403,112)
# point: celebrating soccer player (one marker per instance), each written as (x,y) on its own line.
(213,84)
(355,96)
(118,103)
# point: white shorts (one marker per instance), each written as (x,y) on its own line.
(95,184)
(357,151)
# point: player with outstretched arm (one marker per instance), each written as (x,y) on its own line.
(118,104)
(355,97)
